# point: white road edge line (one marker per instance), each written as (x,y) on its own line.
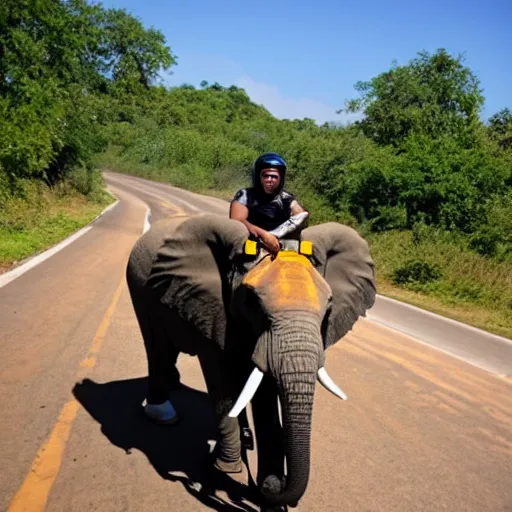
(377,318)
(147,223)
(13,274)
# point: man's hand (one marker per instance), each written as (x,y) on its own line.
(240,212)
(270,242)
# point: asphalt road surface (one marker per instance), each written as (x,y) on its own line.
(422,430)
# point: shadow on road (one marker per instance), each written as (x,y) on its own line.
(178,453)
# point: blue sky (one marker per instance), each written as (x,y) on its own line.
(302,59)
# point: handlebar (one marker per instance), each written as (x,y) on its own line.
(305,247)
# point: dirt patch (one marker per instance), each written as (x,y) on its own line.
(5,268)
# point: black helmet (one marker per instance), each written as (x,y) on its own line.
(266,161)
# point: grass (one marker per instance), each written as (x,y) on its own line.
(41,217)
(469,287)
(481,317)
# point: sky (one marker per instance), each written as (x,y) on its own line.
(302,59)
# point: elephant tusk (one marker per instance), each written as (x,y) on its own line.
(329,384)
(247,393)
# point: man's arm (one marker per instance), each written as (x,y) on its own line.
(240,212)
(298,219)
(296,208)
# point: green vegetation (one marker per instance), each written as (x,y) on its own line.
(439,271)
(420,175)
(64,65)
(38,216)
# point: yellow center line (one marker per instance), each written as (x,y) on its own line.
(33,493)
(103,328)
(180,212)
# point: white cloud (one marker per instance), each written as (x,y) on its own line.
(193,68)
(283,107)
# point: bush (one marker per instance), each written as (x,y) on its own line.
(389,217)
(494,237)
(231,177)
(86,181)
(416,272)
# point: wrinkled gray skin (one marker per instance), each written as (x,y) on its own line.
(186,300)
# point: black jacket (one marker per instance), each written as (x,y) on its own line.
(266,212)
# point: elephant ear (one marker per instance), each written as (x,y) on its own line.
(343,258)
(190,268)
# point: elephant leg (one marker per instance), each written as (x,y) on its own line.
(228,447)
(161,355)
(173,381)
(269,433)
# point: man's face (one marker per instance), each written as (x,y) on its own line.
(270,179)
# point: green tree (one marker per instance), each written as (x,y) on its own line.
(133,55)
(433,95)
(57,59)
(500,128)
(32,99)
(445,184)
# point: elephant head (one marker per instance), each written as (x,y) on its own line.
(285,312)
(299,306)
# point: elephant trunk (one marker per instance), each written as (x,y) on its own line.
(296,374)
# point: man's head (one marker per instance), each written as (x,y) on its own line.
(270,180)
(269,173)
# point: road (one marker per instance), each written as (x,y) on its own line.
(422,430)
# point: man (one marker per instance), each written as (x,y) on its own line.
(266,209)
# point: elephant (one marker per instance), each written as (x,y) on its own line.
(259,324)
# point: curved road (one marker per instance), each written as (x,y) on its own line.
(422,430)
